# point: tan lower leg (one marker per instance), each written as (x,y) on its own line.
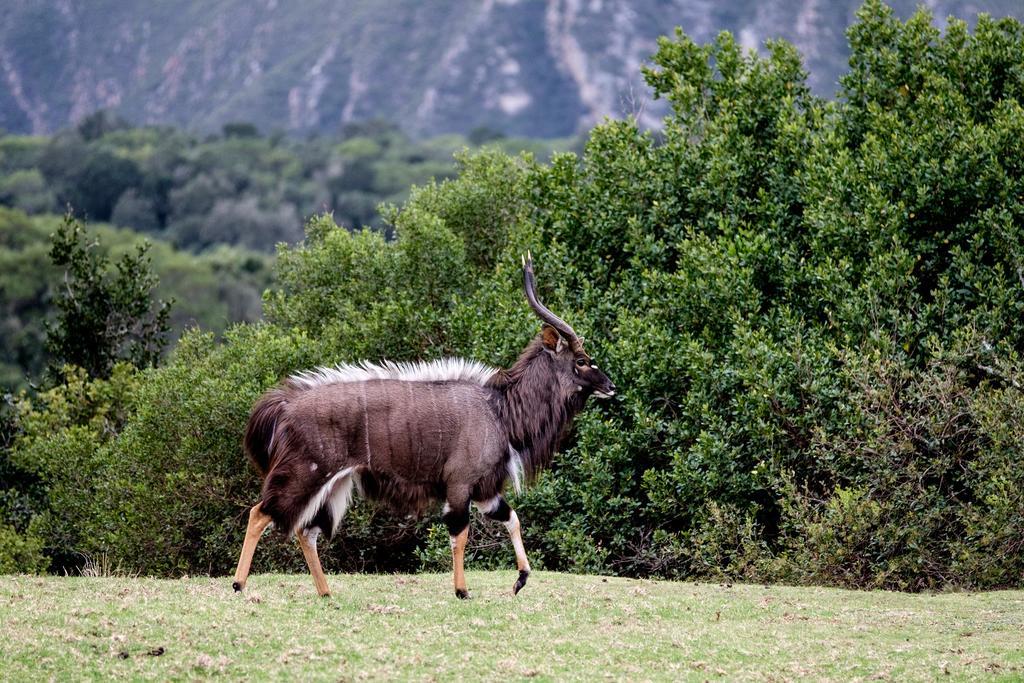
(515,534)
(258,522)
(458,556)
(522,563)
(308,545)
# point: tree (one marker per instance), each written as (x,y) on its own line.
(103,316)
(240,129)
(99,123)
(101,180)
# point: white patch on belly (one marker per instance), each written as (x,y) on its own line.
(312,467)
(487,506)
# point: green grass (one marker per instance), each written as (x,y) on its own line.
(560,627)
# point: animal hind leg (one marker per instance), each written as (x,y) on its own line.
(456,518)
(499,510)
(339,496)
(258,521)
(307,541)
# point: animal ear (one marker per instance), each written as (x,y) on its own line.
(552,339)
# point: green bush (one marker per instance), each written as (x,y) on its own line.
(20,554)
(813,310)
(62,447)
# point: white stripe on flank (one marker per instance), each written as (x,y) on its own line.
(515,469)
(366,428)
(443,370)
(320,497)
(273,435)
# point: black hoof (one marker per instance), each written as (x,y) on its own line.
(237,586)
(521,581)
(461,594)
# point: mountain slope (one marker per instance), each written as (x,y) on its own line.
(521,66)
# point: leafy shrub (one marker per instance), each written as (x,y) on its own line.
(64,432)
(813,309)
(20,554)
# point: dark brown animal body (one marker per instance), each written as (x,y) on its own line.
(414,434)
(409,441)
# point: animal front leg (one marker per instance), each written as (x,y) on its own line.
(499,510)
(456,518)
(522,563)
(458,557)
(258,522)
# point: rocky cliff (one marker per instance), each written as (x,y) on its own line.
(524,67)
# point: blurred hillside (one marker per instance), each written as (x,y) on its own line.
(538,69)
(236,187)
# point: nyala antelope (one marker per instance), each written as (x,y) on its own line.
(412,435)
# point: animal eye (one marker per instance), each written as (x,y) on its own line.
(581,362)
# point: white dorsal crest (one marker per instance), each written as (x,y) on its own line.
(442,370)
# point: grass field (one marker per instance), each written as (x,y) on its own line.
(560,627)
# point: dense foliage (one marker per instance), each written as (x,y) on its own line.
(814,311)
(212,289)
(237,188)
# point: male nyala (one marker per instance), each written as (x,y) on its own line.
(415,434)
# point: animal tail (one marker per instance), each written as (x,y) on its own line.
(261,431)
